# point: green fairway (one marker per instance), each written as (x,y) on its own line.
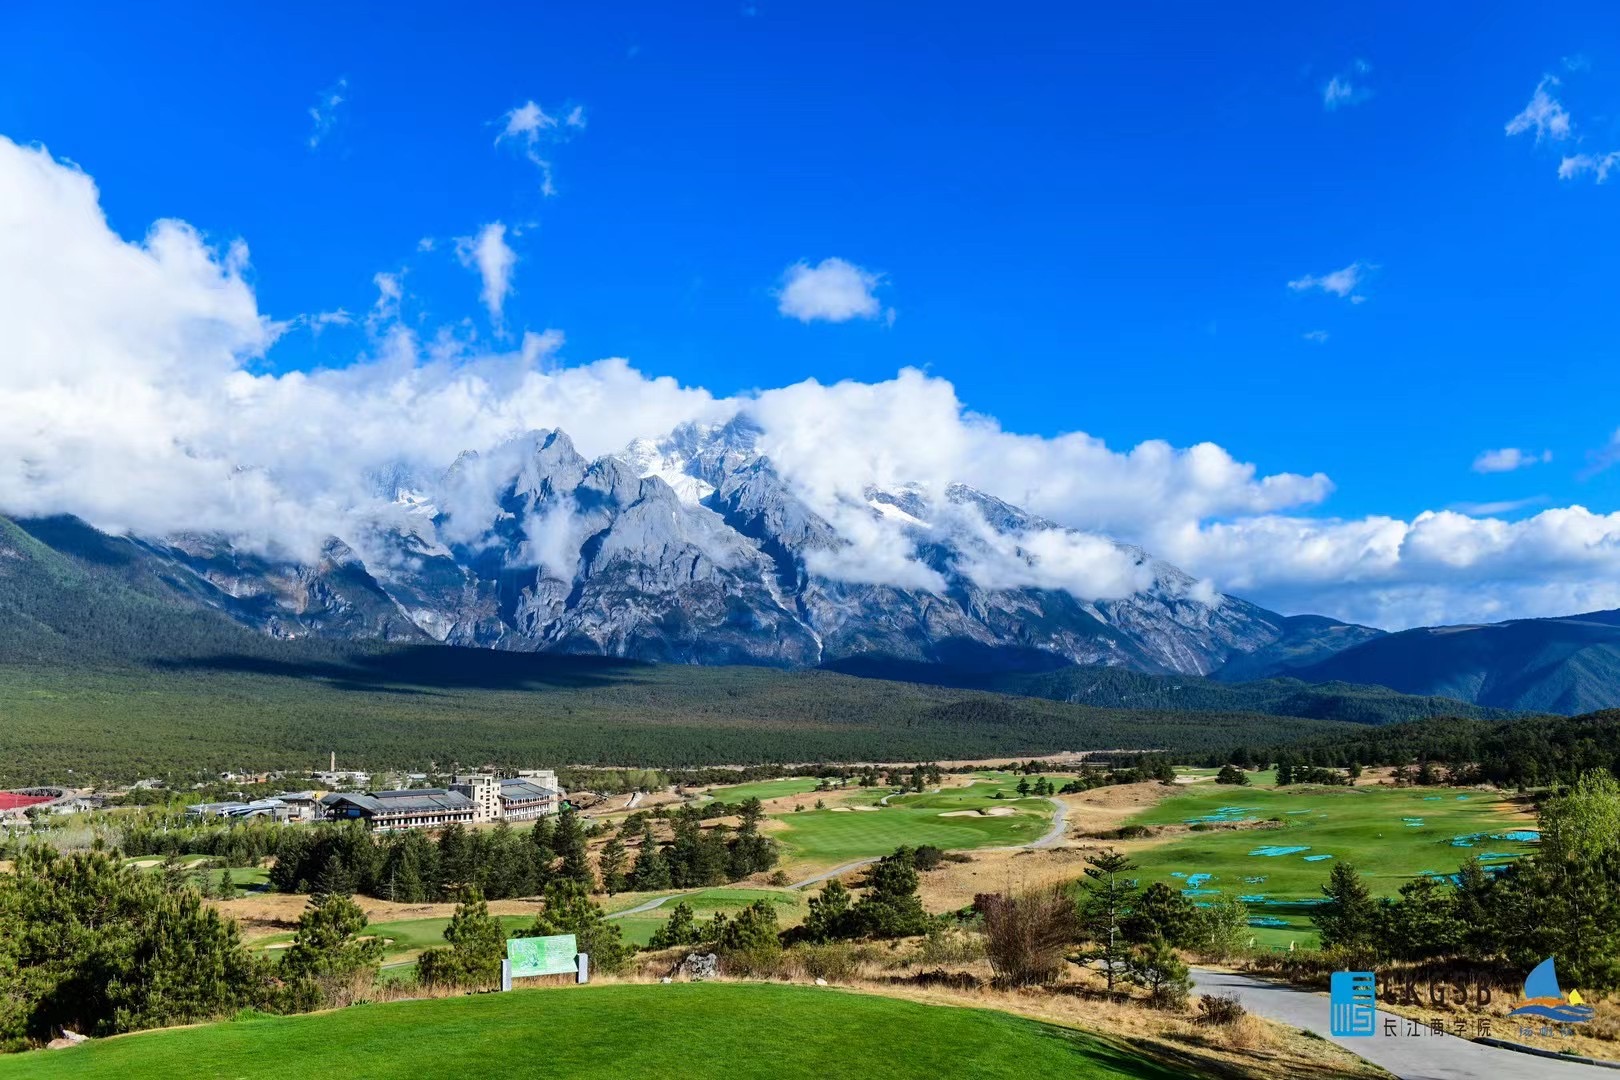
(725,1031)
(1391,835)
(765,790)
(401,940)
(866,829)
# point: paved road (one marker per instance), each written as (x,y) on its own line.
(659,902)
(1055,833)
(1410,1057)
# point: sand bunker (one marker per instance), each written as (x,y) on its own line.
(840,809)
(994,811)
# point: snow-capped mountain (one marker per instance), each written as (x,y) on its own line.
(696,548)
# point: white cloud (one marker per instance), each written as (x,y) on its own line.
(489,254)
(132,393)
(1599,165)
(1508,459)
(833,291)
(1318,336)
(1544,115)
(1347,88)
(324,113)
(531,130)
(1343,282)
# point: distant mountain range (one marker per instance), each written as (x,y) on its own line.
(695,549)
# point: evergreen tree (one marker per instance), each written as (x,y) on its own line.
(227,885)
(1231,774)
(1154,966)
(679,929)
(1349,920)
(1162,912)
(829,918)
(329,947)
(612,864)
(890,907)
(569,841)
(477,947)
(1106,899)
(568,909)
(651,871)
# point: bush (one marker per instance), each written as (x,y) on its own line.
(835,961)
(1219,1010)
(1157,969)
(944,945)
(927,857)
(1026,936)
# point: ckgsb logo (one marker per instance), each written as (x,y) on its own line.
(1353,1003)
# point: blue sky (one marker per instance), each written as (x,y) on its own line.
(1085,217)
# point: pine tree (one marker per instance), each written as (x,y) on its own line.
(1106,898)
(227,886)
(652,869)
(568,909)
(679,929)
(829,918)
(1349,919)
(1155,967)
(612,865)
(569,842)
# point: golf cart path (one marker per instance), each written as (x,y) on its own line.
(1410,1057)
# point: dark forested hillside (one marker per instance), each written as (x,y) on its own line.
(1526,751)
(1569,665)
(1118,688)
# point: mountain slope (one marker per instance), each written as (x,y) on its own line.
(697,549)
(1568,665)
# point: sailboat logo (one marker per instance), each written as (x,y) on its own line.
(1543,998)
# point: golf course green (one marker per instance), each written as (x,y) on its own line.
(723,1031)
(858,827)
(1390,835)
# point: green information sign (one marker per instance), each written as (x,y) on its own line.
(542,955)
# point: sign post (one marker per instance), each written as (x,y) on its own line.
(506,975)
(529,956)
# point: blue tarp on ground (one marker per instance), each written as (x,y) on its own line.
(1267,920)
(1253,898)
(1317,858)
(1274,850)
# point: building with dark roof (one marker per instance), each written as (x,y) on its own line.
(521,798)
(418,808)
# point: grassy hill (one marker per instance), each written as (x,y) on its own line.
(719,1030)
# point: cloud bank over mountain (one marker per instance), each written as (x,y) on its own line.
(134,392)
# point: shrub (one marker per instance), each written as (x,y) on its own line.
(1027,935)
(1157,969)
(835,961)
(944,945)
(1219,1010)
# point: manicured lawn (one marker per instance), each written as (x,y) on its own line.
(716,1030)
(1391,835)
(831,836)
(765,790)
(403,939)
